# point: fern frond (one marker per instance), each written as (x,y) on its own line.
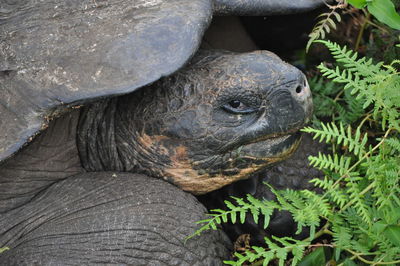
(336,163)
(341,236)
(273,251)
(374,84)
(325,183)
(351,80)
(314,200)
(238,212)
(364,67)
(323,86)
(339,135)
(358,202)
(395,62)
(325,25)
(351,111)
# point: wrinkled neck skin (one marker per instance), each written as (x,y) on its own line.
(110,138)
(189,128)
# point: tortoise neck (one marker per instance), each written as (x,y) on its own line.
(96,137)
(109,139)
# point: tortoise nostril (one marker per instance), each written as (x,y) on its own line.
(299,89)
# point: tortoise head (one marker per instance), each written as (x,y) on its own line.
(219,120)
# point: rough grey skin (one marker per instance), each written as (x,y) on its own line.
(55,213)
(109,218)
(220,119)
(55,52)
(55,55)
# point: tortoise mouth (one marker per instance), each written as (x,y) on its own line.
(249,159)
(259,155)
(272,148)
(252,156)
(277,137)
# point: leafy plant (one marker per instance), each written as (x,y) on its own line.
(359,209)
(326,23)
(383,10)
(332,102)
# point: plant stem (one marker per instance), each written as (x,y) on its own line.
(338,95)
(365,119)
(361,32)
(379,27)
(361,193)
(322,231)
(371,262)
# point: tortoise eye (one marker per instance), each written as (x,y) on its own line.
(237,107)
(235,104)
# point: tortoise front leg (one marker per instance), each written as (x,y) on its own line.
(110,218)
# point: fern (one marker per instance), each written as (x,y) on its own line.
(342,235)
(341,136)
(330,101)
(363,67)
(324,26)
(324,93)
(351,111)
(277,248)
(237,212)
(339,164)
(367,179)
(376,85)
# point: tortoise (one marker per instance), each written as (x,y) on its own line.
(99,96)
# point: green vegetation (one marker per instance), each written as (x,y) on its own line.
(360,206)
(3,249)
(383,10)
(356,219)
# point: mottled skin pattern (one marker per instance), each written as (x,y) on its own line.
(187,130)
